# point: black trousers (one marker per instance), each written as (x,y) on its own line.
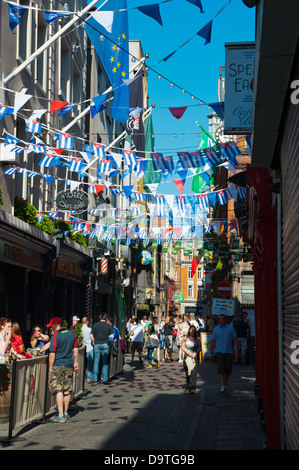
(192,378)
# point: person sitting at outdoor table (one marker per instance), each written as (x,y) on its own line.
(17,344)
(38,339)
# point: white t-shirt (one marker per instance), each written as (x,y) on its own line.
(86,338)
(138,333)
(2,352)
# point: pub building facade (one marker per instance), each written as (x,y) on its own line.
(35,284)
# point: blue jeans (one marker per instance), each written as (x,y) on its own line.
(89,364)
(101,351)
(150,356)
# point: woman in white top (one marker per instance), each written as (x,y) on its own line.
(183,328)
(191,347)
(5,335)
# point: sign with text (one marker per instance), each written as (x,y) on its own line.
(223,307)
(239,68)
(72,201)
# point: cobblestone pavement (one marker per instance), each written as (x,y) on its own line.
(149,409)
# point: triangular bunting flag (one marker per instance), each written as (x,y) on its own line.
(153,11)
(178,112)
(206,32)
(57,105)
(179,184)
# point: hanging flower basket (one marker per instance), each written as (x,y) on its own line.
(143,307)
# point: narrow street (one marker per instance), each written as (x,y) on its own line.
(149,410)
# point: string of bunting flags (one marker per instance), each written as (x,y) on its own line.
(16,13)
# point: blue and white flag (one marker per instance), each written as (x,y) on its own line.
(229,150)
(104,167)
(66,109)
(98,150)
(65,141)
(187,160)
(181,205)
(160,205)
(12,170)
(157,161)
(53,15)
(49,160)
(33,126)
(222,196)
(130,159)
(10,139)
(111,42)
(15,13)
(140,168)
(5,111)
(76,164)
(203,201)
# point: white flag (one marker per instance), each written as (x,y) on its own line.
(20,100)
(105,18)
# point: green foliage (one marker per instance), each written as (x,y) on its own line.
(1,197)
(76,237)
(25,211)
(77,330)
(79,238)
(28,213)
(46,225)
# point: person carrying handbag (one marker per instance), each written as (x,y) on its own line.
(191,347)
(152,343)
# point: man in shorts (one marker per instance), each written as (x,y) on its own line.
(137,336)
(63,360)
(222,340)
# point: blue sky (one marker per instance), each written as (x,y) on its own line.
(194,67)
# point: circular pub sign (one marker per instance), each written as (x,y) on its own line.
(76,200)
(224,288)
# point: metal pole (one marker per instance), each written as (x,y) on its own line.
(48,43)
(86,110)
(12,397)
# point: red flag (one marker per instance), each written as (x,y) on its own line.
(180,185)
(178,112)
(57,105)
(194,265)
(99,187)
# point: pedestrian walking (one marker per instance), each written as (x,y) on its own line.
(222,340)
(137,337)
(183,328)
(168,332)
(101,331)
(242,330)
(89,352)
(191,347)
(152,344)
(63,360)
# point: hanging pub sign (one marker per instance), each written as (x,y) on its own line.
(76,200)
(239,68)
